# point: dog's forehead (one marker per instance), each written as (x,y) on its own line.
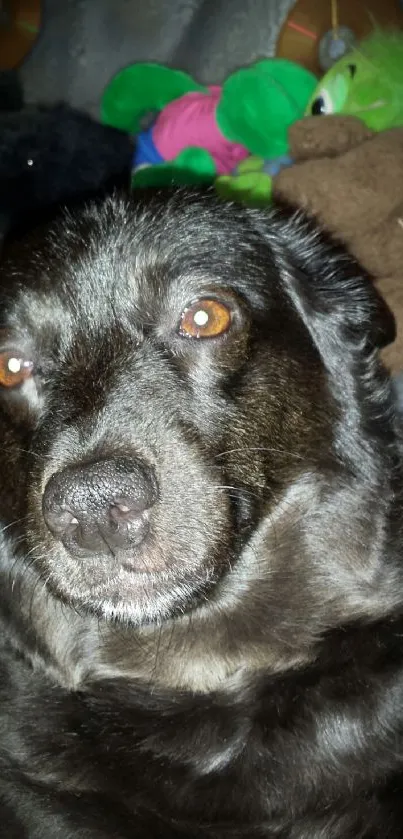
(146,258)
(163,241)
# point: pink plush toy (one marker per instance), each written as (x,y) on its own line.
(191,121)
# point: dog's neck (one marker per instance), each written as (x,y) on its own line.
(201,651)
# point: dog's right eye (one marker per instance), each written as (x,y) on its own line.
(15,369)
(208,318)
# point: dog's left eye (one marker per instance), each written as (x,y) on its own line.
(14,369)
(208,318)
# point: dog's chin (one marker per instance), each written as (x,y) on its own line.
(116,590)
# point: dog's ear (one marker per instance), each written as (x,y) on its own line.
(337,300)
(348,323)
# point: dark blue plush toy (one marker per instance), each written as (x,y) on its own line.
(53,156)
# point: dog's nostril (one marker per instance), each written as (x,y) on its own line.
(61,522)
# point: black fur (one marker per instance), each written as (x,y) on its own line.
(243,678)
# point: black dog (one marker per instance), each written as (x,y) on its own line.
(201,576)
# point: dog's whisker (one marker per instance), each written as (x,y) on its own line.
(156,657)
(262,449)
(40,583)
(31,453)
(13,523)
(236,491)
(21,565)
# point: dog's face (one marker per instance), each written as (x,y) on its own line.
(181,389)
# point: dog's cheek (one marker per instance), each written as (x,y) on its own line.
(210,370)
(17,423)
(284,418)
(194,501)
(22,406)
(38,470)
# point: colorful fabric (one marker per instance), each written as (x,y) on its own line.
(145,153)
(191,121)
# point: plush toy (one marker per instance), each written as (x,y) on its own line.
(252,181)
(350,178)
(188,133)
(367,83)
(51,156)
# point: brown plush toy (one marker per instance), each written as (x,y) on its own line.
(351,180)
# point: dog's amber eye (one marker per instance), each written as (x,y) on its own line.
(205,319)
(14,369)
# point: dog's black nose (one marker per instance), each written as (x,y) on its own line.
(100,507)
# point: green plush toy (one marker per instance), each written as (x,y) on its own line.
(367,83)
(252,184)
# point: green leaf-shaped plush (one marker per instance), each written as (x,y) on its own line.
(141,89)
(259,103)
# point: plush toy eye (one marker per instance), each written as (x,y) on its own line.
(14,369)
(205,319)
(323,104)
